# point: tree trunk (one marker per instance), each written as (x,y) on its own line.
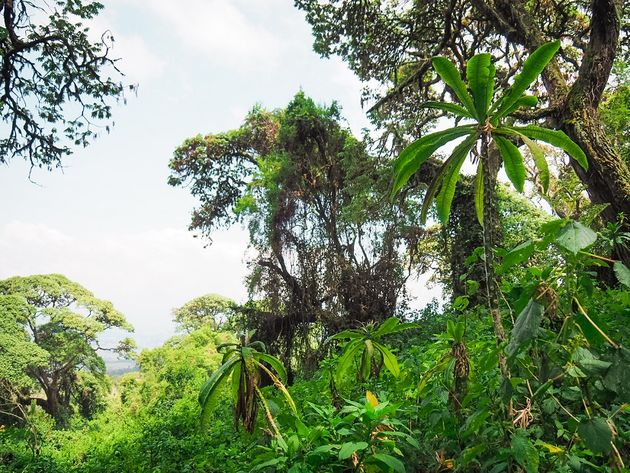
(491,161)
(608,178)
(52,405)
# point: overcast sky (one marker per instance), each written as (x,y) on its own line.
(109,220)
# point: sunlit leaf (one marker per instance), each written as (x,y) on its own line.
(575,237)
(513,162)
(480,74)
(450,75)
(532,67)
(622,272)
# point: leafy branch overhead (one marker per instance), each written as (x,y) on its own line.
(490,122)
(56,83)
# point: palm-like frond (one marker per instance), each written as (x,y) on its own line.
(416,154)
(450,75)
(243,362)
(208,393)
(555,138)
(480,75)
(365,343)
(512,161)
(531,70)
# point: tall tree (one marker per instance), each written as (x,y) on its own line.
(211,309)
(392,43)
(53,324)
(327,245)
(56,83)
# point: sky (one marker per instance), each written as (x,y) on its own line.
(108,220)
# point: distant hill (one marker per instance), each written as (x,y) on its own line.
(120,367)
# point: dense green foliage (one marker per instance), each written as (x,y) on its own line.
(564,409)
(329,248)
(50,332)
(211,309)
(526,369)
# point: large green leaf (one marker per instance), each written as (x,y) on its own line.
(525,452)
(351,334)
(589,362)
(526,101)
(532,67)
(451,176)
(345,361)
(555,138)
(538,156)
(385,327)
(480,74)
(517,255)
(366,359)
(414,155)
(513,162)
(348,448)
(622,272)
(447,107)
(575,237)
(450,75)
(479,193)
(209,390)
(537,153)
(389,359)
(433,187)
(596,434)
(526,326)
(402,327)
(275,363)
(389,461)
(617,378)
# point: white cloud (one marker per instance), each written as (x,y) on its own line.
(144,274)
(218,29)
